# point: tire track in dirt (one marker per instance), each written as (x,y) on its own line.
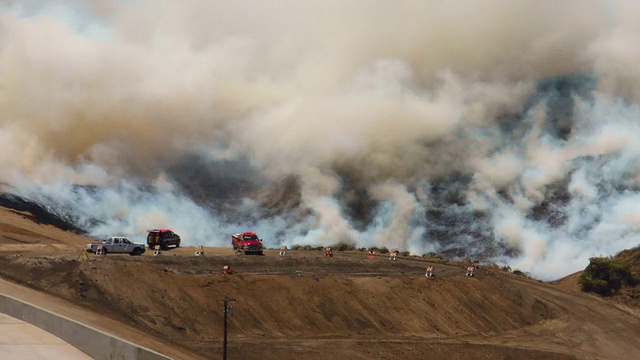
(587,326)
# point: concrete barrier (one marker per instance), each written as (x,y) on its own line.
(93,342)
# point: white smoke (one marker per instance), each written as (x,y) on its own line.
(111,95)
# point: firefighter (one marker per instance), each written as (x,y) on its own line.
(429,271)
(283,250)
(372,254)
(393,255)
(328,252)
(470,271)
(226,270)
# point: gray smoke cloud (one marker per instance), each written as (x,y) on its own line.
(497,129)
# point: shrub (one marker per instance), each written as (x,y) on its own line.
(405,253)
(305,247)
(344,247)
(433,255)
(605,276)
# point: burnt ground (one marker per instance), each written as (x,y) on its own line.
(306,306)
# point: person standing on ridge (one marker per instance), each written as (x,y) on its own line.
(470,271)
(226,270)
(328,252)
(429,272)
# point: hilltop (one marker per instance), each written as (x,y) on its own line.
(307,306)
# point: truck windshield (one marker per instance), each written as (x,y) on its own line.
(253,237)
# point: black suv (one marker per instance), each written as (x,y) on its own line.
(162,237)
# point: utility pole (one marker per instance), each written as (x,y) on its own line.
(227,309)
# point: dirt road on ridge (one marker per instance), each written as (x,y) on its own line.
(342,307)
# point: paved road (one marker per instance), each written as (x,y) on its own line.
(90,319)
(22,341)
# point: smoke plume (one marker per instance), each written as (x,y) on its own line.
(498,130)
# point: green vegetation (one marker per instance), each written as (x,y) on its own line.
(344,247)
(605,276)
(378,250)
(307,247)
(433,255)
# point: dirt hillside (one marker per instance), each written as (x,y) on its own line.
(305,305)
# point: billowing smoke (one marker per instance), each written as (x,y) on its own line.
(499,130)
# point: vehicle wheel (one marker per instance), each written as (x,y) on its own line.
(104,252)
(178,244)
(136,252)
(163,246)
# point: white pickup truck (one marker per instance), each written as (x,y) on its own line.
(117,244)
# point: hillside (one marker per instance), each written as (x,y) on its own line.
(627,294)
(307,306)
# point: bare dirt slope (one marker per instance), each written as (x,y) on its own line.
(307,306)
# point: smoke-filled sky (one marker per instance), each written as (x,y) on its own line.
(521,111)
